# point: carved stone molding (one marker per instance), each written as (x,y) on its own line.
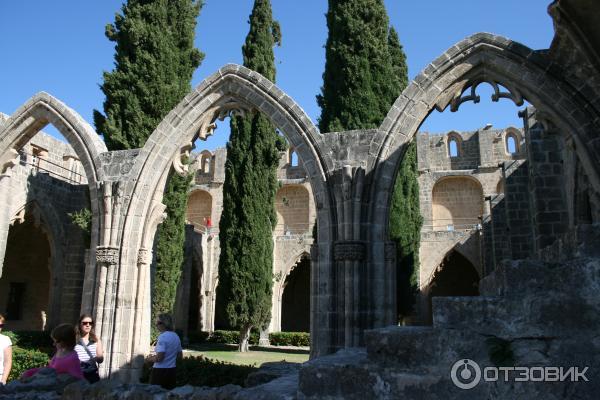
(144,257)
(349,251)
(107,255)
(8,161)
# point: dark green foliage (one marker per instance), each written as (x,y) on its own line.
(398,61)
(24,359)
(154,61)
(358,83)
(31,340)
(289,339)
(405,228)
(83,219)
(248,218)
(231,337)
(170,245)
(200,371)
(500,352)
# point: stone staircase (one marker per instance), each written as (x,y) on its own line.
(531,313)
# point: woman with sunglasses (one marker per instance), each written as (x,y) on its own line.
(5,354)
(88,348)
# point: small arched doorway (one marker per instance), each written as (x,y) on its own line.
(455,276)
(26,276)
(295,301)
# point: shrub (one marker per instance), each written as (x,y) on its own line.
(197,337)
(32,340)
(231,337)
(24,359)
(289,339)
(200,371)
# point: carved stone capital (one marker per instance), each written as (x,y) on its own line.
(107,255)
(144,257)
(351,250)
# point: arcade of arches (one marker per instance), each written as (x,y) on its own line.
(347,178)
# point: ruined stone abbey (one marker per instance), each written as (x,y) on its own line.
(509,245)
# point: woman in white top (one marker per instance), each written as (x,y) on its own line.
(5,354)
(88,348)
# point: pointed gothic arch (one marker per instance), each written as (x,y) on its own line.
(452,79)
(230,91)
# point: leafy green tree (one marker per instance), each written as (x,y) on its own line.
(365,71)
(248,218)
(154,61)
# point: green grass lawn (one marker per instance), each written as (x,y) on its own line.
(256,355)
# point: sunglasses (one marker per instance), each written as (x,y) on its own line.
(87,323)
(159,323)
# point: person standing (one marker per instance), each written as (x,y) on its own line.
(168,351)
(89,348)
(5,354)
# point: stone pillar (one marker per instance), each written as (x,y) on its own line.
(106,261)
(142,310)
(7,162)
(549,212)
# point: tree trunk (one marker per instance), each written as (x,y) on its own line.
(244,338)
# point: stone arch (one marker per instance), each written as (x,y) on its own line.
(199,209)
(457,201)
(47,221)
(456,138)
(232,90)
(292,206)
(279,289)
(206,162)
(514,134)
(28,120)
(43,109)
(483,57)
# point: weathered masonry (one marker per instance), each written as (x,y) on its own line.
(351,175)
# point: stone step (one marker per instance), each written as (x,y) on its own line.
(535,314)
(421,349)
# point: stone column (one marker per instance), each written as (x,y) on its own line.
(7,162)
(106,261)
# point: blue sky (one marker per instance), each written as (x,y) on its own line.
(59,47)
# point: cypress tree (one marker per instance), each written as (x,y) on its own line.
(365,71)
(358,84)
(248,218)
(405,230)
(154,61)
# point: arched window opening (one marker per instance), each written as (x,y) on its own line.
(206,165)
(512,146)
(293,158)
(453,147)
